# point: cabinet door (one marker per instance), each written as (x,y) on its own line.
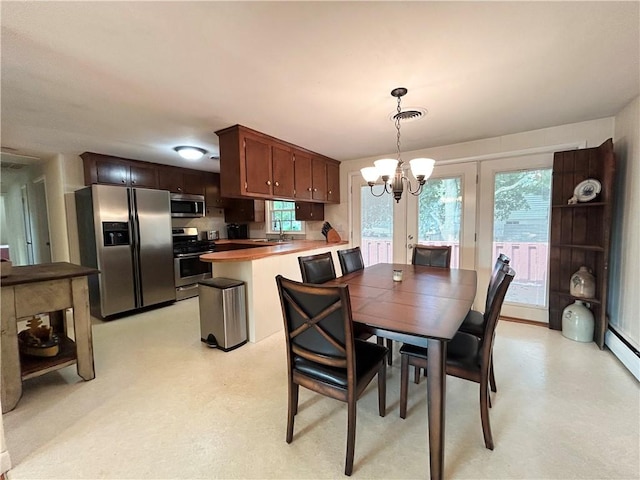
(112,172)
(212,198)
(244,211)
(193,182)
(319,179)
(302,175)
(143,176)
(257,162)
(282,165)
(170,178)
(309,211)
(333,182)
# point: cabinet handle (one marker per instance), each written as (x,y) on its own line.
(277,184)
(309,189)
(269,182)
(124,181)
(315,189)
(179,189)
(329,192)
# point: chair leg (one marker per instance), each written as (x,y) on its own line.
(390,347)
(416,374)
(382,390)
(293,409)
(484,413)
(351,434)
(404,385)
(492,378)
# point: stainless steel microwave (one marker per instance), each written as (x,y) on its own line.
(184,205)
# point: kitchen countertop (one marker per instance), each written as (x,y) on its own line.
(266,249)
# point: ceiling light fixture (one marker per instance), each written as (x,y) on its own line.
(421,168)
(190,153)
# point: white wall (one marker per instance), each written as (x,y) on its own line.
(624,282)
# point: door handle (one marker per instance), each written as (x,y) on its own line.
(410,237)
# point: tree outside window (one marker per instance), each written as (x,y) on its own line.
(282,214)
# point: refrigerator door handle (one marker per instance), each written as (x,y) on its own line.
(135,247)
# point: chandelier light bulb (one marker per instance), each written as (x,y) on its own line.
(386,167)
(422,168)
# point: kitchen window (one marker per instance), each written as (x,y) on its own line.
(281,213)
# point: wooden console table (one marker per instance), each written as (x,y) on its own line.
(46,288)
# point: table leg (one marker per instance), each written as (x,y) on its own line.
(9,355)
(82,327)
(436,395)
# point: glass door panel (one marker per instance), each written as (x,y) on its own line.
(444,213)
(376,220)
(515,212)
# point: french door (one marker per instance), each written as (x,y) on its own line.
(481,209)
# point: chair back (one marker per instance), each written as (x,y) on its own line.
(318,324)
(504,276)
(432,255)
(491,289)
(317,268)
(350,260)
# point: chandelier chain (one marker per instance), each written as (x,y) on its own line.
(399,110)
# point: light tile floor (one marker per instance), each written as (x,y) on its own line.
(163,405)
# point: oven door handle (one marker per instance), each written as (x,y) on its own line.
(192,255)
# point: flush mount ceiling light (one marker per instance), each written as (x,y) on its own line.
(190,153)
(391,170)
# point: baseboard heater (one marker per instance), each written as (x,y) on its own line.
(624,351)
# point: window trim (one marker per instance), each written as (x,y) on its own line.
(269,220)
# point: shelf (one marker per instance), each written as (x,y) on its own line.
(580,205)
(593,248)
(32,367)
(593,301)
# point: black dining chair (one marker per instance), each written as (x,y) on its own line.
(317,268)
(468,356)
(432,255)
(351,261)
(474,322)
(324,356)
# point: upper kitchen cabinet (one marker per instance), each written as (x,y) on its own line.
(109,170)
(212,198)
(239,211)
(256,165)
(333,182)
(181,180)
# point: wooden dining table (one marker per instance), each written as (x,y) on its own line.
(425,308)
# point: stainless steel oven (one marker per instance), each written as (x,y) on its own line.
(187,266)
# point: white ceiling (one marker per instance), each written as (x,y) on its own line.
(135,79)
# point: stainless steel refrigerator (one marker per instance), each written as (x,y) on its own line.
(126,234)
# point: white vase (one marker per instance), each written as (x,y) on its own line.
(583,284)
(577,322)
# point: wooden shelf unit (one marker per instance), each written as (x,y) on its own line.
(580,233)
(32,367)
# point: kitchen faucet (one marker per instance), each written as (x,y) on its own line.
(279,222)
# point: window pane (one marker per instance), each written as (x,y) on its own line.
(282,215)
(440,214)
(377,227)
(521,231)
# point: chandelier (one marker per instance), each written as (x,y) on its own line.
(391,170)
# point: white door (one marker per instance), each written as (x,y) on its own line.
(445,213)
(514,213)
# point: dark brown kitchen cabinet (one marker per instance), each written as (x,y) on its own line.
(333,182)
(109,170)
(244,210)
(212,199)
(181,180)
(309,211)
(580,232)
(319,179)
(256,165)
(282,168)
